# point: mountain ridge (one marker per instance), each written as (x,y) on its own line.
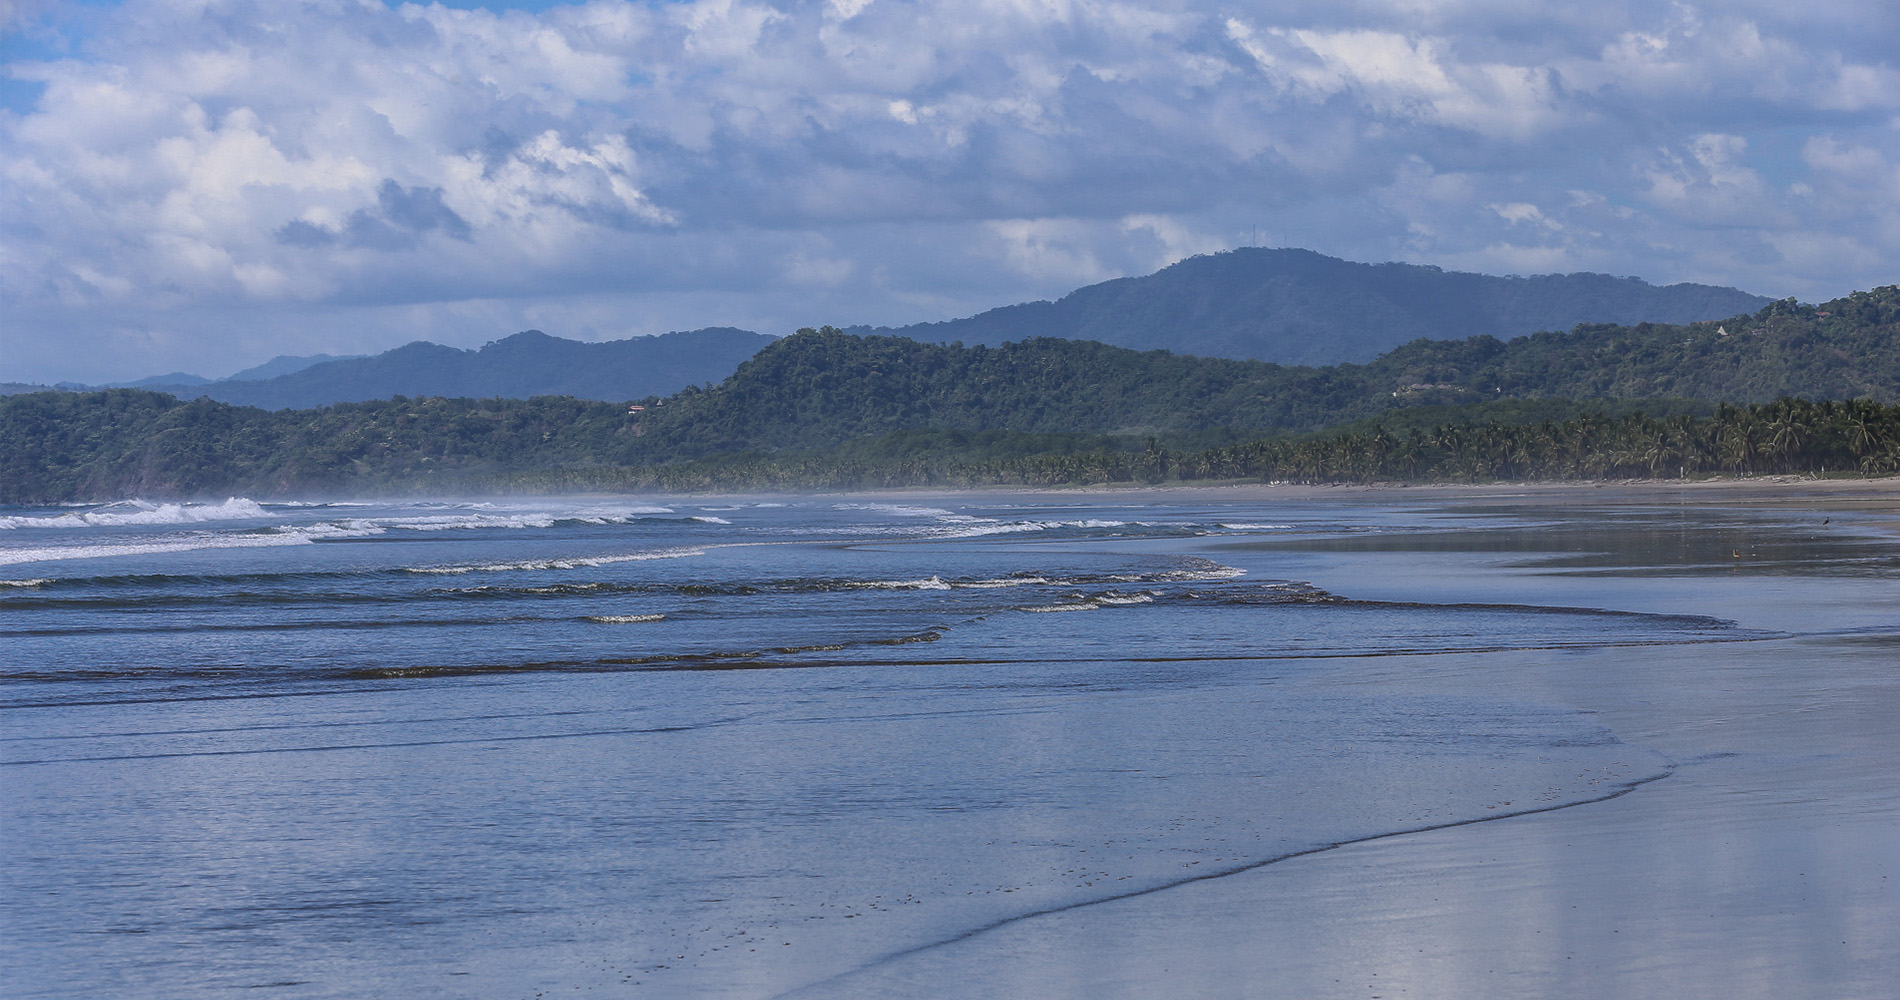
(1293,306)
(1286,306)
(524,365)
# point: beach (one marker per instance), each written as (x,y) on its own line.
(1764,865)
(1216,741)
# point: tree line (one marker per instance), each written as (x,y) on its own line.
(125,443)
(1787,436)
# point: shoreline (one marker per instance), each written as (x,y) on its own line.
(1752,489)
(1493,651)
(1768,491)
(1758,870)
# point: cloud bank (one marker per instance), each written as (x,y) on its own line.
(202,184)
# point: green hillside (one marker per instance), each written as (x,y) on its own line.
(820,388)
(826,407)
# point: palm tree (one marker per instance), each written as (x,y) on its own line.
(1741,442)
(1863,428)
(1787,432)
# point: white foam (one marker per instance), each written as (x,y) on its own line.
(35,582)
(505,519)
(194,543)
(139,512)
(901,510)
(455,522)
(546,564)
(624,619)
(329,530)
(710,520)
(1013,581)
(1079,606)
(931,583)
(1255,527)
(1126,599)
(976,527)
(939,583)
(980,530)
(365,526)
(615,514)
(1197,575)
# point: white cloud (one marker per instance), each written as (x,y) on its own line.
(1707,181)
(1403,77)
(1523,212)
(205,182)
(1178,238)
(1050,250)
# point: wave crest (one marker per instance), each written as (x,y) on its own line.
(127,513)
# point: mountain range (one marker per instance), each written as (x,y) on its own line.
(1292,307)
(283,364)
(525,365)
(1303,308)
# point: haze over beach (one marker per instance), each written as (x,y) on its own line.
(949,501)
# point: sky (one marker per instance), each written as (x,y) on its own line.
(201,185)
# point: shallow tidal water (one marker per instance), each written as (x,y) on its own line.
(952,746)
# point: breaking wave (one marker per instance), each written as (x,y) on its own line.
(57,553)
(546,564)
(138,512)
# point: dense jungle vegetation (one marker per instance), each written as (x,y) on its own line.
(448,447)
(821,388)
(824,409)
(1783,437)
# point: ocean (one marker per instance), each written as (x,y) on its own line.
(751,746)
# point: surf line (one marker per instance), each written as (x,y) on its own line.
(886,959)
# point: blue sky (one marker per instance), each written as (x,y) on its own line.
(203,184)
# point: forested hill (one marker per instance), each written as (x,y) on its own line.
(1300,307)
(527,364)
(821,389)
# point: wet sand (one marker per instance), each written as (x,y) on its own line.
(1766,865)
(354,848)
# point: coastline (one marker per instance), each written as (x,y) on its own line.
(1762,866)
(1484,656)
(1881,494)
(1787,490)
(1882,486)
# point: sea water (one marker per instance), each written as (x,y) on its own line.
(740,746)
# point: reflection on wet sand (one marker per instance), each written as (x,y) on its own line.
(1764,866)
(1426,746)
